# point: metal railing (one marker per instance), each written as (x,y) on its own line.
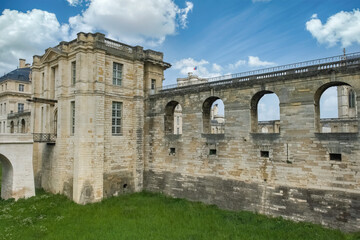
(278,71)
(44,137)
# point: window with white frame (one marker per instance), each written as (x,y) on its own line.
(117,73)
(21,87)
(116,118)
(20,107)
(153,84)
(73,73)
(72,123)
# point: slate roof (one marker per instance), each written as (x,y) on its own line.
(20,74)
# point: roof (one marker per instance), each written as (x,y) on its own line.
(20,74)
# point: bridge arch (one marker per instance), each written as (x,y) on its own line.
(346,107)
(173,110)
(7,177)
(16,152)
(272,126)
(213,122)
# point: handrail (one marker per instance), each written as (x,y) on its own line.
(283,70)
(44,137)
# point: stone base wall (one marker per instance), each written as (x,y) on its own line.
(335,209)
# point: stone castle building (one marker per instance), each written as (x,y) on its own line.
(91,93)
(15,89)
(103,125)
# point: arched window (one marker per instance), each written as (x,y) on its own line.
(12,127)
(23,126)
(265,113)
(351,99)
(335,108)
(173,118)
(213,116)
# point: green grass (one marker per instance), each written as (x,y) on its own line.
(144,216)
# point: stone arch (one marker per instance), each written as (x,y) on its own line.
(23,126)
(169,117)
(350,104)
(212,125)
(272,126)
(7,177)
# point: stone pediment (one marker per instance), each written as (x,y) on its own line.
(51,54)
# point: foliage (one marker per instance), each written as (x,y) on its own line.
(144,216)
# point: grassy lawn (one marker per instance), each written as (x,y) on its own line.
(144,216)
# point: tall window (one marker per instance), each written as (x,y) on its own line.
(20,107)
(72,123)
(117,73)
(116,118)
(4,108)
(42,82)
(73,73)
(351,99)
(21,87)
(153,84)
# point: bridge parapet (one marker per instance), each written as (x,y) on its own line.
(15,138)
(335,62)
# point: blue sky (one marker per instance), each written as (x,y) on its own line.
(219,37)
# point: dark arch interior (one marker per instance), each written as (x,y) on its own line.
(206,110)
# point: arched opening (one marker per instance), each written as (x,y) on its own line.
(23,126)
(335,108)
(265,112)
(178,119)
(12,127)
(213,116)
(6,177)
(173,118)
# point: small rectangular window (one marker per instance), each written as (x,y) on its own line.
(116,118)
(117,73)
(72,123)
(20,107)
(212,152)
(172,151)
(335,157)
(73,73)
(21,87)
(264,154)
(153,84)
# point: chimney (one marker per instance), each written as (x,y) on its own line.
(22,63)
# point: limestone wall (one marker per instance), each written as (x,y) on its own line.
(296,173)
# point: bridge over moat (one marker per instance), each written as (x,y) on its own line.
(17,166)
(300,172)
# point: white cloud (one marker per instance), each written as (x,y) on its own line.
(205,69)
(145,22)
(256,62)
(233,66)
(184,12)
(133,22)
(74,2)
(216,67)
(188,64)
(268,108)
(343,27)
(26,34)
